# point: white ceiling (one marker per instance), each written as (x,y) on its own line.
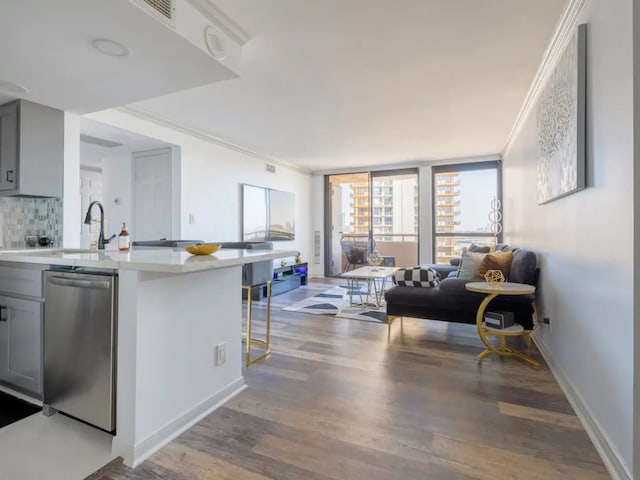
(46,46)
(343,83)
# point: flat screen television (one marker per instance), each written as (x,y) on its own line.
(267,215)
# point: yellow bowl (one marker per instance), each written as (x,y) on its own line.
(202,249)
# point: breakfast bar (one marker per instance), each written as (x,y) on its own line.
(174,311)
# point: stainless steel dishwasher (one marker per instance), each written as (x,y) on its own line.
(80,344)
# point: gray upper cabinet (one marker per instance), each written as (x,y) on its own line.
(31,149)
(8,145)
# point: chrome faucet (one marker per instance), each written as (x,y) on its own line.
(87,220)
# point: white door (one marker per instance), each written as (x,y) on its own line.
(90,190)
(152,195)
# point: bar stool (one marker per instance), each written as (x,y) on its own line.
(247,338)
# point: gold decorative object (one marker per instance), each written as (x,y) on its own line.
(283,263)
(494,277)
(202,249)
(298,258)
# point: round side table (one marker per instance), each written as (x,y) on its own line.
(492,291)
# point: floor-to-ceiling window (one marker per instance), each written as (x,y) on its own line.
(371,210)
(467,207)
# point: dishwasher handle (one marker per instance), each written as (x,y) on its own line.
(66,282)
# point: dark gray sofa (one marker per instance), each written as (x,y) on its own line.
(452,302)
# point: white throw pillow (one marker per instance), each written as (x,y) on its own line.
(470,265)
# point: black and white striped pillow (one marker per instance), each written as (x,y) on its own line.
(416,277)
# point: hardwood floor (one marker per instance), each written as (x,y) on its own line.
(335,400)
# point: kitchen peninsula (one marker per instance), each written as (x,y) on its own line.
(173,310)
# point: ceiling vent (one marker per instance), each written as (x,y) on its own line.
(270,168)
(165,10)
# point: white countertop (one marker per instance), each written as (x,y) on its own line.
(166,260)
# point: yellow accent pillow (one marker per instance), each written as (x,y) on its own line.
(496,261)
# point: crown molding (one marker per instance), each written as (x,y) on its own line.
(561,36)
(163,121)
(218,18)
(410,164)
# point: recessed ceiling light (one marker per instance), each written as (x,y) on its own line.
(14,88)
(110,47)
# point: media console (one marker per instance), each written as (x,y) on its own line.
(288,278)
(284,279)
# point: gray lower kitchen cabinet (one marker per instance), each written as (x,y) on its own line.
(22,327)
(31,149)
(21,343)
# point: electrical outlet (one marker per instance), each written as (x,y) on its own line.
(546,320)
(221,353)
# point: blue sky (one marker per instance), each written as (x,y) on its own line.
(477,189)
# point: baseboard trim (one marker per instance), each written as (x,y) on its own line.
(155,442)
(609,456)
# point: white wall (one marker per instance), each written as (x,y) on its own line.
(117,181)
(585,241)
(90,156)
(425,227)
(211,178)
(117,184)
(71,215)
(636,236)
(317,219)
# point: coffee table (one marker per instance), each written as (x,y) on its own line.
(492,291)
(376,278)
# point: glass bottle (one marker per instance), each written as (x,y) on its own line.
(124,240)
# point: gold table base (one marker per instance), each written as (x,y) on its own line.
(502,349)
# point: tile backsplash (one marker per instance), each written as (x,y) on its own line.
(22,216)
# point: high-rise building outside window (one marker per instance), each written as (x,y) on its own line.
(462,201)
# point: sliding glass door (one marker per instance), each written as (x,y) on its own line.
(394,215)
(371,211)
(466,207)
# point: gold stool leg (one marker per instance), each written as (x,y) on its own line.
(247,351)
(268,336)
(266,343)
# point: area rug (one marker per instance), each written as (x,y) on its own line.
(335,302)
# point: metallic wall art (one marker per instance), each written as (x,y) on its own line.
(560,124)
